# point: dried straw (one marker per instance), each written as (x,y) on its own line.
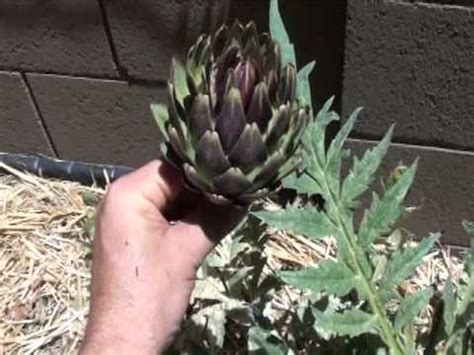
(45,259)
(44,263)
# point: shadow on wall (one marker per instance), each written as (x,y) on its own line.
(55,36)
(317,28)
(148,33)
(28,13)
(68,37)
(447,2)
(176,20)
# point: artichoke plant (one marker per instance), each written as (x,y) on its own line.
(233,124)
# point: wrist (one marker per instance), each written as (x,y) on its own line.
(114,339)
(111,345)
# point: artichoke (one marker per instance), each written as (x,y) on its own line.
(233,124)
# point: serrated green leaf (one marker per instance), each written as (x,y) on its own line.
(180,81)
(262,341)
(449,307)
(279,34)
(379,261)
(333,278)
(235,282)
(219,307)
(323,118)
(226,251)
(385,212)
(314,138)
(362,173)
(394,175)
(160,114)
(304,88)
(336,153)
(411,307)
(469,258)
(302,183)
(461,342)
(403,263)
(242,315)
(213,320)
(277,27)
(464,345)
(307,221)
(351,323)
(209,288)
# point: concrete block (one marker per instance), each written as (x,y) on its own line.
(443,192)
(54,36)
(467,3)
(317,30)
(148,33)
(101,121)
(19,128)
(411,64)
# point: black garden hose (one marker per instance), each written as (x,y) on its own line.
(84,173)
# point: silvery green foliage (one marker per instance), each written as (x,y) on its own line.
(354,269)
(356,273)
(342,305)
(231,305)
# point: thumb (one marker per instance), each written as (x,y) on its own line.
(156,182)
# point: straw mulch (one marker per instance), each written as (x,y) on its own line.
(45,259)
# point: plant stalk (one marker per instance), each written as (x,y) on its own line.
(389,335)
(467,299)
(374,301)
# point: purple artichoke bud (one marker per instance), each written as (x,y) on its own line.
(234,122)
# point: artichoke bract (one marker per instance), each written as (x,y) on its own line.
(233,124)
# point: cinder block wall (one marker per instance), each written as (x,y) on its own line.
(412,64)
(77,77)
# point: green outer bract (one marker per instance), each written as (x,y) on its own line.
(233,123)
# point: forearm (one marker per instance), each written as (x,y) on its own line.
(119,338)
(109,346)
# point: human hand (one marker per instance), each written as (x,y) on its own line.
(144,266)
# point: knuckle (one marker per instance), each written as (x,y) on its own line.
(117,191)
